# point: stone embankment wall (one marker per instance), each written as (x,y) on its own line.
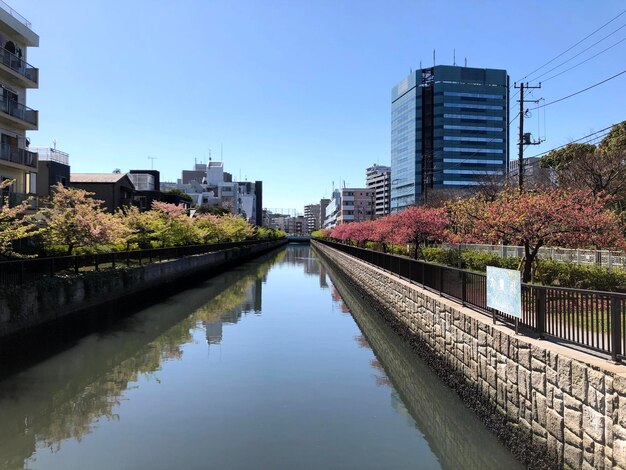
(51,298)
(553,406)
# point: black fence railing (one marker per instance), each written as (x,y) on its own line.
(593,320)
(17,272)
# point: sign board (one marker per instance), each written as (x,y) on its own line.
(504,290)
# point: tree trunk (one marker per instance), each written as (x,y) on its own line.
(529,259)
(70,247)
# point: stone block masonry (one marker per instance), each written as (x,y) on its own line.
(27,306)
(553,406)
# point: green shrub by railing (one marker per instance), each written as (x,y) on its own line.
(547,272)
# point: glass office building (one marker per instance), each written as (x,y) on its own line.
(449,129)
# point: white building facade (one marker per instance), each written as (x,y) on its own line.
(17,162)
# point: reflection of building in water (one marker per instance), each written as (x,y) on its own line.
(252,303)
(214,331)
(323,280)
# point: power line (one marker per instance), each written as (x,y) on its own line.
(580,53)
(579,92)
(586,60)
(593,136)
(572,47)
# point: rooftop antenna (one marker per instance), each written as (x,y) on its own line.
(152,159)
(466,61)
(420,64)
(54,143)
(454,57)
(210,155)
(433,57)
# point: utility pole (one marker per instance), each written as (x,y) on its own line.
(524,139)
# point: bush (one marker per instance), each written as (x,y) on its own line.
(441,256)
(579,276)
(478,261)
(548,272)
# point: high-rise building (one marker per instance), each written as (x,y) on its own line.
(449,128)
(312,216)
(16,76)
(323,205)
(378,179)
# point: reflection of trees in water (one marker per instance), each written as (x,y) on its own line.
(381,376)
(336,296)
(71,409)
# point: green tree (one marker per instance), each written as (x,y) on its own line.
(600,169)
(15,223)
(172,226)
(235,229)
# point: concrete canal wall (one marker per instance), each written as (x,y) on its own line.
(552,405)
(52,298)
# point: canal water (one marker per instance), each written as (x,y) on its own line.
(273,365)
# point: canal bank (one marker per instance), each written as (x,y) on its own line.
(551,405)
(52,298)
(262,366)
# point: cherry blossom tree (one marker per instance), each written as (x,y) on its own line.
(573,219)
(172,226)
(74,219)
(383,229)
(15,223)
(418,224)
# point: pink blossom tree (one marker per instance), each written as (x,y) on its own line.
(416,225)
(573,219)
(15,223)
(74,219)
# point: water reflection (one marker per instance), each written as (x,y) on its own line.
(454,434)
(62,397)
(301,255)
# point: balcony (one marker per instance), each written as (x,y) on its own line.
(18,156)
(18,71)
(15,199)
(19,116)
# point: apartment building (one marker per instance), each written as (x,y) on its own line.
(378,179)
(209,185)
(17,162)
(349,205)
(312,216)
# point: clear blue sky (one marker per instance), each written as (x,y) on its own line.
(298,92)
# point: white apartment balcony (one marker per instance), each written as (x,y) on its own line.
(17,71)
(17,156)
(14,24)
(14,114)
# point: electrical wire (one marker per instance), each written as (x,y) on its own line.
(579,92)
(586,60)
(580,53)
(593,136)
(572,47)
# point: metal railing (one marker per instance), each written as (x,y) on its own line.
(19,111)
(14,199)
(606,258)
(19,272)
(592,320)
(18,65)
(13,154)
(15,14)
(52,155)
